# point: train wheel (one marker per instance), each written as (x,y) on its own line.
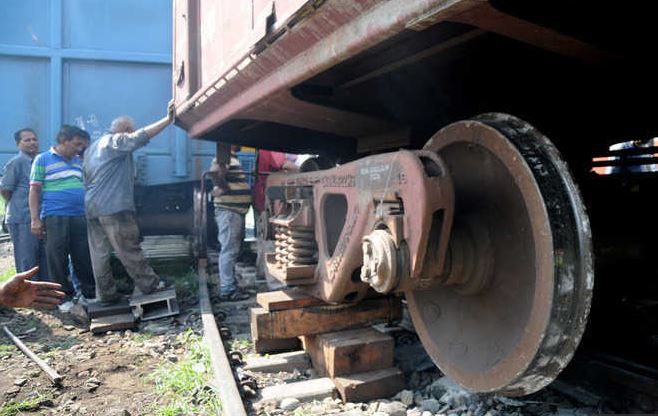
(518,325)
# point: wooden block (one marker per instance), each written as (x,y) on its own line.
(306,390)
(96,310)
(112,323)
(352,351)
(319,319)
(310,345)
(265,346)
(287,361)
(286,299)
(369,386)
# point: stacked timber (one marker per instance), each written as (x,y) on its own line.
(339,340)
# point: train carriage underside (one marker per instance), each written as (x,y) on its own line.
(491,221)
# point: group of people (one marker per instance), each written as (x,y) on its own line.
(68,208)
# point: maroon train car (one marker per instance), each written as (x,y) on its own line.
(499,107)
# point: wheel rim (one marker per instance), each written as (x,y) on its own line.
(518,332)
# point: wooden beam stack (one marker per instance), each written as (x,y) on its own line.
(338,338)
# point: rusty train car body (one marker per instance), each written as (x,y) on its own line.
(463,131)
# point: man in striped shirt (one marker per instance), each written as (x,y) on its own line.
(57,209)
(232,198)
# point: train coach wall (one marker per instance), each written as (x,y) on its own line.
(85,62)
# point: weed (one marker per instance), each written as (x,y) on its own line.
(241,345)
(60,345)
(13,408)
(184,384)
(66,342)
(6,350)
(7,274)
(142,336)
(187,284)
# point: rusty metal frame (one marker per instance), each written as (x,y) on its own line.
(330,32)
(312,46)
(398,178)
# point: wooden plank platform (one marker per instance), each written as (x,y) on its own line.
(351,351)
(112,323)
(369,386)
(307,390)
(287,361)
(158,304)
(319,319)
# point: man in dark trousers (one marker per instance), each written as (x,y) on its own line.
(109,175)
(15,186)
(57,207)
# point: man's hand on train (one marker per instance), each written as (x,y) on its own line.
(171,111)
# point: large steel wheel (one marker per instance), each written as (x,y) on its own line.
(513,321)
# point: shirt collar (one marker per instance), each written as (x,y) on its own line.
(22,153)
(69,160)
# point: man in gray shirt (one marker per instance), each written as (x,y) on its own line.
(14,186)
(109,174)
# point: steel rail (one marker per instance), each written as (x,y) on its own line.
(224,380)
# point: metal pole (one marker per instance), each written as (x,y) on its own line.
(50,372)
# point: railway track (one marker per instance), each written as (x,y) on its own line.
(5,238)
(592,384)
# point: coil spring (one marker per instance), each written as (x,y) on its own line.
(294,246)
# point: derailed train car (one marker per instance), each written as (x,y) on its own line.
(461,135)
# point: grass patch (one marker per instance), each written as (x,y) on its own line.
(7,350)
(142,336)
(7,274)
(60,345)
(64,343)
(184,385)
(241,345)
(13,408)
(187,284)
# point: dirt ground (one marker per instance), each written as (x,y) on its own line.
(6,257)
(103,375)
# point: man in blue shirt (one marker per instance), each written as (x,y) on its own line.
(14,186)
(57,208)
(109,175)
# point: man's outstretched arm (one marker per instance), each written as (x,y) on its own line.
(20,292)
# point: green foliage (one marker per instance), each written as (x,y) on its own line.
(7,350)
(13,408)
(184,384)
(142,336)
(242,345)
(187,284)
(7,274)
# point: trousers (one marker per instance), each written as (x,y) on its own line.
(118,232)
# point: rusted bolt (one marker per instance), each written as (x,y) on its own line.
(380,260)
